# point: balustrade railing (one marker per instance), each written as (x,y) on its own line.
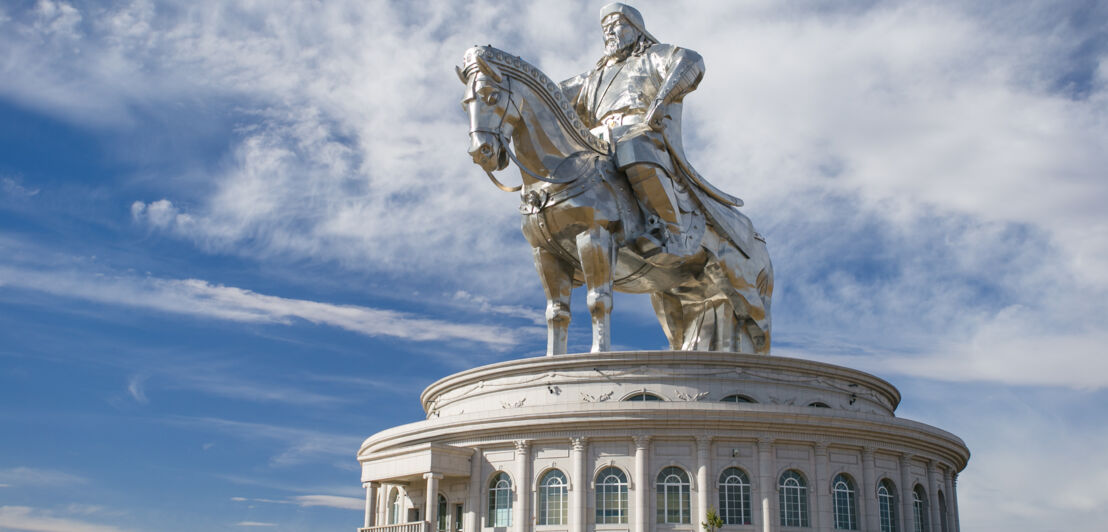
(415,526)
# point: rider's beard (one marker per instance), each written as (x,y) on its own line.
(618,49)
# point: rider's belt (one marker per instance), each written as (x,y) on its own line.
(615,121)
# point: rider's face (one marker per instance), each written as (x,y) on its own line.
(618,34)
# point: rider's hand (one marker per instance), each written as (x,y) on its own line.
(655,114)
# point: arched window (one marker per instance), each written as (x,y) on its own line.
(500,500)
(673,496)
(793,499)
(919,508)
(737,399)
(734,497)
(818,404)
(441,522)
(943,527)
(394,506)
(552,499)
(845,508)
(643,396)
(886,505)
(611,496)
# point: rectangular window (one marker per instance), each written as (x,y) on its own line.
(458,515)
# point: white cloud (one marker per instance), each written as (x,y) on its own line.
(35,520)
(1019,435)
(254,523)
(932,124)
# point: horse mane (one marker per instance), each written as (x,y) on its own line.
(548,90)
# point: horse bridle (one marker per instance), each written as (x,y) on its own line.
(499,134)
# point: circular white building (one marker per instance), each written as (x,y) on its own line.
(654,441)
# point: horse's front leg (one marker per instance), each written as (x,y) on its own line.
(557,282)
(595,249)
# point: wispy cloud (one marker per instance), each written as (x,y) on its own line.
(329,501)
(12,188)
(33,477)
(36,520)
(295,445)
(200,298)
(254,523)
(135,388)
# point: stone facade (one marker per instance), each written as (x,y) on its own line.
(770,443)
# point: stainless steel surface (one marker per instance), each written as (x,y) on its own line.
(671,235)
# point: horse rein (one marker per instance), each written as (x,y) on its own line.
(499,134)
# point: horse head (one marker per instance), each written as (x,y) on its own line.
(487,100)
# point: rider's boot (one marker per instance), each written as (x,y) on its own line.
(663,238)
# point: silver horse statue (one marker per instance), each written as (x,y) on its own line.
(581,219)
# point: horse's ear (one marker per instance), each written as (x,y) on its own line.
(488,69)
(461,75)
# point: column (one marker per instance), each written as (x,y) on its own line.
(642,483)
(703,460)
(933,495)
(383,505)
(766,482)
(580,484)
(821,490)
(954,500)
(908,519)
(370,503)
(867,493)
(431,510)
(476,488)
(521,514)
(947,490)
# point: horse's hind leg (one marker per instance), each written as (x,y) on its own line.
(557,282)
(672,317)
(595,249)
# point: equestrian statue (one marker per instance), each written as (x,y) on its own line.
(609,199)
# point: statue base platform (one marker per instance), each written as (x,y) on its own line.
(644,411)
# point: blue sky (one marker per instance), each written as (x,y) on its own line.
(238,238)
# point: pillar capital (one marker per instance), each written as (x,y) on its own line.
(703,442)
(577,443)
(429,476)
(370,484)
(821,447)
(642,441)
(522,445)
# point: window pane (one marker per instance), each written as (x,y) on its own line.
(611,496)
(886,504)
(793,499)
(734,497)
(919,508)
(500,501)
(845,512)
(673,496)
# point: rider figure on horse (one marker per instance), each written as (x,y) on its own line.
(631,98)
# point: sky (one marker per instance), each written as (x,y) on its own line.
(237,238)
